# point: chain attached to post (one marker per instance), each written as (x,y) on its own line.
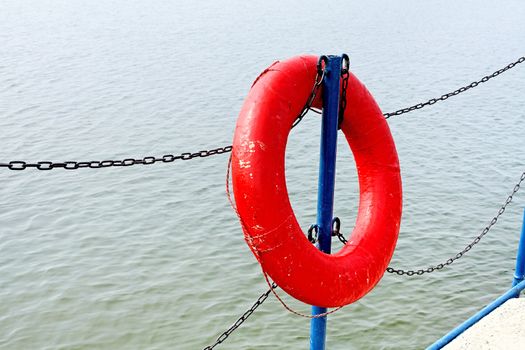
(313,233)
(345,73)
(336,232)
(317,83)
(455,92)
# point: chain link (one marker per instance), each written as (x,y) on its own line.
(345,74)
(243,318)
(449,261)
(455,92)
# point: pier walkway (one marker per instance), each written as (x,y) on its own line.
(501,329)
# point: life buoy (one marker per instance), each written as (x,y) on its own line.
(258,176)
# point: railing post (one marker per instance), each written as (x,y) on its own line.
(325,192)
(520,256)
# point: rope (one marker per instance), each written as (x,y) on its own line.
(257,256)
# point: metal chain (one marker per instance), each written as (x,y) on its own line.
(243,318)
(168,158)
(455,92)
(319,76)
(476,240)
(308,106)
(96,164)
(345,74)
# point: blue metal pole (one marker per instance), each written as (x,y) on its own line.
(520,256)
(325,191)
(511,293)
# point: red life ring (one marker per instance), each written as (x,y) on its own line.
(258,175)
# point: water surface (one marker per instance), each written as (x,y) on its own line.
(154,258)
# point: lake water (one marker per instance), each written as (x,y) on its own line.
(153,257)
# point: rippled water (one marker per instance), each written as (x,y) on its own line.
(153,258)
